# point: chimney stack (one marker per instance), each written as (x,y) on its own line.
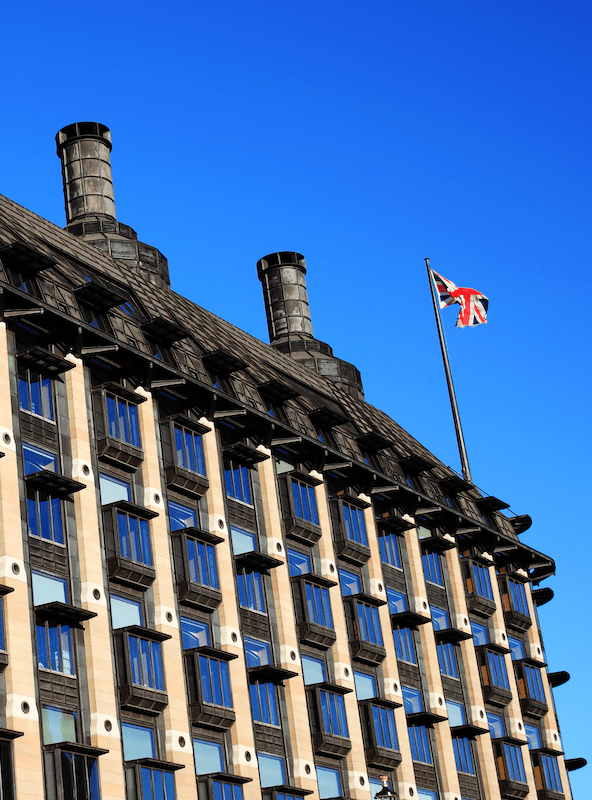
(84,149)
(283,276)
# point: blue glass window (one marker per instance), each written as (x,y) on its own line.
(497,670)
(517,648)
(58,725)
(456,713)
(329,782)
(355,526)
(237,480)
(208,757)
(426,794)
(182,516)
(420,745)
(447,660)
(551,773)
(412,699)
(125,612)
(113,489)
(333,713)
(397,601)
(534,683)
(257,652)
(389,549)
(432,568)
(202,563)
(514,763)
(518,596)
(222,790)
(350,583)
(298,563)
(496,725)
(385,732)
(138,741)
(482,582)
(242,541)
(189,450)
(463,755)
(369,623)
(534,737)
(54,647)
(313,670)
(365,685)
(36,394)
(146,663)
(215,681)
(35,459)
(80,776)
(134,538)
(305,504)
(404,645)
(440,619)
(264,703)
(480,634)
(250,590)
(122,418)
(48,588)
(2,632)
(272,771)
(318,605)
(194,633)
(44,516)
(157,784)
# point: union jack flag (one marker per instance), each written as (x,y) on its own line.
(473,304)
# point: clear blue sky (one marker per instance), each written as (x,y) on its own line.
(366,136)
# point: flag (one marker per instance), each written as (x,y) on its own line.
(473,304)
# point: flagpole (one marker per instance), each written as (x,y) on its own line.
(459,434)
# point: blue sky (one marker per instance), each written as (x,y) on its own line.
(366,136)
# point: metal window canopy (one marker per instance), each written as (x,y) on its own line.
(165,330)
(327,417)
(57,611)
(121,391)
(144,633)
(372,442)
(224,777)
(408,619)
(26,258)
(542,596)
(268,673)
(467,731)
(349,495)
(77,748)
(427,718)
(277,391)
(244,454)
(415,464)
(368,599)
(212,652)
(42,360)
(285,789)
(317,580)
(327,686)
(7,734)
(446,635)
(133,509)
(381,702)
(53,483)
(197,533)
(101,293)
(454,484)
(223,362)
(257,561)
(392,521)
(558,678)
(521,523)
(487,505)
(572,764)
(187,422)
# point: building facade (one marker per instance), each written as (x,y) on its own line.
(223,574)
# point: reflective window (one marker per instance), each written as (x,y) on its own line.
(389,550)
(237,482)
(355,526)
(514,763)
(318,605)
(44,516)
(125,612)
(201,559)
(222,790)
(157,784)
(257,652)
(35,394)
(432,569)
(189,450)
(208,757)
(264,705)
(35,459)
(480,634)
(368,623)
(271,770)
(534,737)
(113,489)
(242,541)
(496,725)
(298,563)
(329,782)
(48,588)
(385,732)
(313,670)
(54,647)
(551,773)
(250,590)
(420,744)
(404,645)
(181,516)
(447,659)
(134,538)
(534,683)
(482,582)
(194,633)
(215,681)
(146,663)
(350,583)
(518,596)
(412,699)
(122,418)
(456,713)
(365,685)
(440,619)
(397,601)
(58,725)
(305,504)
(517,648)
(333,719)
(497,670)
(463,755)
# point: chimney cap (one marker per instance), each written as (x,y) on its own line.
(285,258)
(82,130)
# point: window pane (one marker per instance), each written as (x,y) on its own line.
(412,699)
(113,489)
(47,589)
(257,652)
(350,583)
(271,770)
(313,670)
(181,516)
(329,782)
(397,601)
(58,725)
(242,541)
(125,612)
(299,563)
(365,685)
(517,648)
(208,757)
(534,737)
(496,725)
(479,634)
(138,742)
(456,713)
(440,618)
(36,459)
(194,633)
